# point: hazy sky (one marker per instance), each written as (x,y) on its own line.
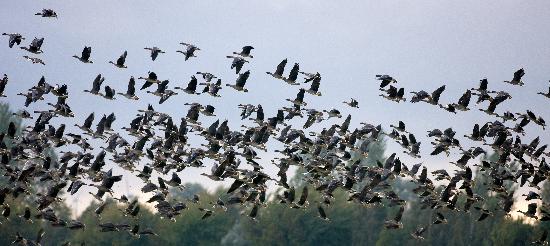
(424,44)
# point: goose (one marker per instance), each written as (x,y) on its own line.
(212,88)
(483,83)
(314,88)
(278,74)
(322,213)
(395,223)
(47,13)
(207,213)
(60,90)
(85,57)
(419,96)
(240,82)
(506,116)
(35,46)
(15,38)
(161,88)
(463,101)
(401,127)
(155,51)
(120,61)
(531,211)
(394,94)
(23,114)
(254,212)
(207,76)
(542,239)
(246,110)
(547,94)
(517,78)
(23,241)
(109,93)
(3,84)
(352,103)
(193,113)
(245,51)
(167,94)
(417,234)
(333,113)
(531,196)
(131,91)
(163,93)
(385,80)
(150,80)
(87,126)
(238,63)
(439,219)
(492,107)
(31,96)
(190,51)
(309,76)
(208,110)
(299,98)
(448,107)
(191,86)
(34,60)
(434,98)
(96,85)
(414,150)
(293,75)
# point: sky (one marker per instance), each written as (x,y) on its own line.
(423,44)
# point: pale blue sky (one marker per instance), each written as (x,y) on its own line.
(423,44)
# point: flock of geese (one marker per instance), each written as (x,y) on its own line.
(156,144)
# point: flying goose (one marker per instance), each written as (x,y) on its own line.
(322,213)
(531,211)
(109,93)
(299,98)
(96,85)
(34,60)
(35,46)
(385,80)
(131,91)
(208,110)
(85,57)
(207,76)
(316,82)
(394,94)
(463,101)
(121,60)
(150,80)
(517,78)
(278,74)
(3,84)
(190,51)
(241,81)
(293,75)
(547,94)
(395,223)
(212,88)
(238,63)
(15,38)
(47,13)
(191,86)
(333,113)
(155,51)
(353,103)
(417,234)
(245,51)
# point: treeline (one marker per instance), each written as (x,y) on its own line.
(278,224)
